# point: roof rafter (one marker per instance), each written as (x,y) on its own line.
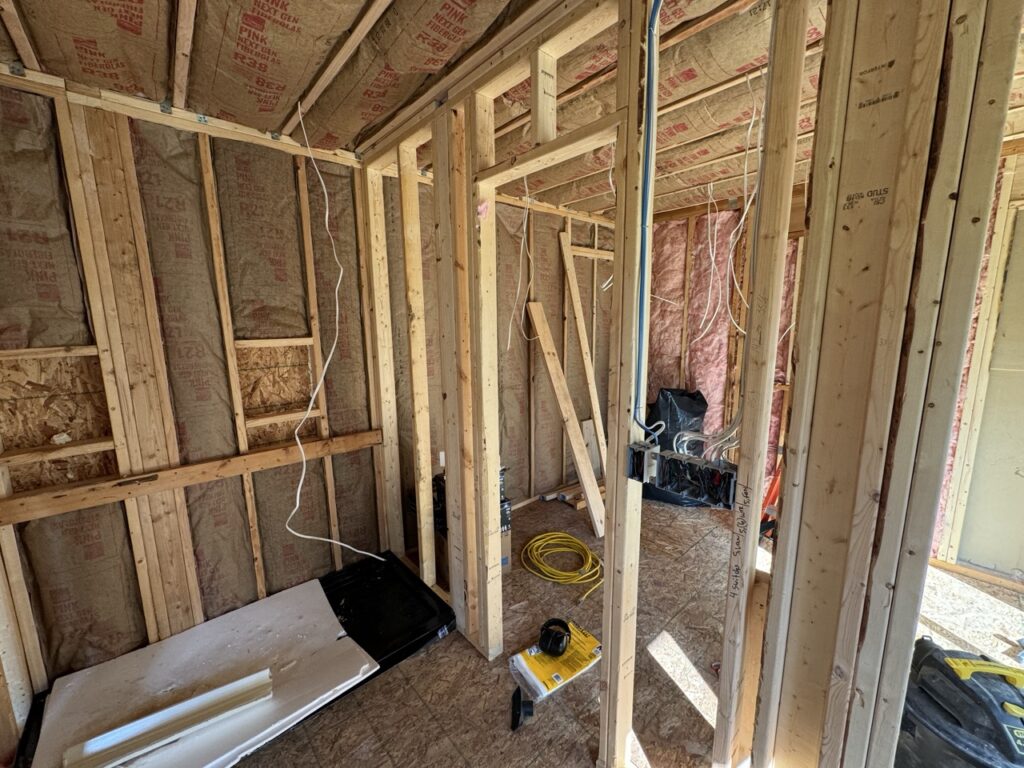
(371,13)
(183,51)
(19,35)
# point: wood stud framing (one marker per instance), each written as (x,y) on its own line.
(967,242)
(319,412)
(380,349)
(543,96)
(449,228)
(576,306)
(419,384)
(580,456)
(457,113)
(227,330)
(483,304)
(159,526)
(628,367)
(1003,236)
(769,248)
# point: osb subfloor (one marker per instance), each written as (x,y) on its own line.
(447,706)
(971,615)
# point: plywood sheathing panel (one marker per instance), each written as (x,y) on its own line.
(167,165)
(272,434)
(412,40)
(253,60)
(548,289)
(668,306)
(43,400)
(85,593)
(123,45)
(274,379)
(513,275)
(288,559)
(41,299)
(262,245)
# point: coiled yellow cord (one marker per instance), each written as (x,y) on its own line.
(538,549)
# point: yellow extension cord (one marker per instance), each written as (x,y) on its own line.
(538,549)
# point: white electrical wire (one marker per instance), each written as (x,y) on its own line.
(327,362)
(523,248)
(714,445)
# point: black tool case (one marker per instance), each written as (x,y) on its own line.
(961,711)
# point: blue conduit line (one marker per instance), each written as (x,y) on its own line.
(650,117)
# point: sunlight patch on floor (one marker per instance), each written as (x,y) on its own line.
(961,617)
(680,669)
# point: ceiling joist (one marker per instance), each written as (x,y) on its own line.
(683,32)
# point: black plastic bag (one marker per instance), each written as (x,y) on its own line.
(682,411)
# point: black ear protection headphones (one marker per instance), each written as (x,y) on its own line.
(554,637)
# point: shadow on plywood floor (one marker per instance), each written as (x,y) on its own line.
(447,706)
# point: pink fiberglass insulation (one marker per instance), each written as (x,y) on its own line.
(708,324)
(668,291)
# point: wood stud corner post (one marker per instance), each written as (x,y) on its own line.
(482,217)
(115,264)
(449,179)
(622,510)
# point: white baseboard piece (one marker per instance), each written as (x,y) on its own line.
(138,737)
(293,634)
